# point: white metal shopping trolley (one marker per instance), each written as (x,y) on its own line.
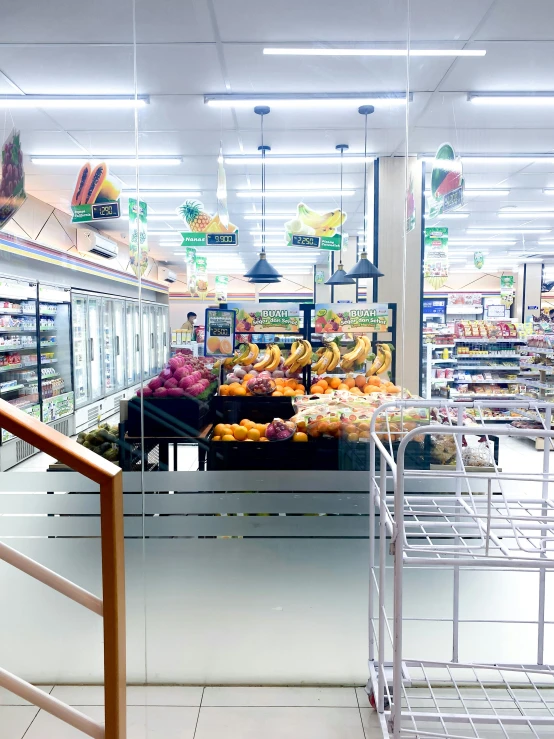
(457,553)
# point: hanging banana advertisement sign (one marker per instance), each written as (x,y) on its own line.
(138,236)
(283,318)
(435,259)
(357,318)
(447,182)
(221,283)
(96,196)
(312,230)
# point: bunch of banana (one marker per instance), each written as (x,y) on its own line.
(230,362)
(300,355)
(382,361)
(329,356)
(270,360)
(248,355)
(357,355)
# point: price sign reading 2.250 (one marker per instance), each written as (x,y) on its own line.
(311,242)
(220,239)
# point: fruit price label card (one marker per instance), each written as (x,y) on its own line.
(219,337)
(332,318)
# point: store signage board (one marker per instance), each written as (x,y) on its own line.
(310,229)
(221,285)
(138,236)
(507,290)
(282,318)
(12,184)
(325,243)
(96,196)
(435,260)
(447,182)
(478,259)
(209,239)
(219,336)
(360,318)
(434,307)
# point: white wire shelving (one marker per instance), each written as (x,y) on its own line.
(486,521)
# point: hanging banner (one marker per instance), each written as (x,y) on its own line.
(507,290)
(220,333)
(201,277)
(138,236)
(191,269)
(410,206)
(12,184)
(313,230)
(360,318)
(204,229)
(319,277)
(95,197)
(479,259)
(221,283)
(435,260)
(447,182)
(279,318)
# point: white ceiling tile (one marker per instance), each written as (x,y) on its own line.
(513,19)
(169,21)
(178,68)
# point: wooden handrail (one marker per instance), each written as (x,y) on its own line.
(110,479)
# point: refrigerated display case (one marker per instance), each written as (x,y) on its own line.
(95,347)
(80,353)
(132,334)
(54,359)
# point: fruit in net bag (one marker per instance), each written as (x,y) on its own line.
(279,430)
(261,385)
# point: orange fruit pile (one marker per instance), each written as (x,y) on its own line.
(288,387)
(244,431)
(357,385)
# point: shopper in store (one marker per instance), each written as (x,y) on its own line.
(188,325)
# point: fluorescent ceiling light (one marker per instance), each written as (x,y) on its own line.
(546,241)
(300,159)
(522,214)
(164,217)
(485,191)
(268,216)
(448,215)
(168,232)
(323,192)
(308,100)
(320,51)
(476,242)
(268,231)
(508,230)
(150,193)
(528,99)
(115,159)
(73,101)
(548,191)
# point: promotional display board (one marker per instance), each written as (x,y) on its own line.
(279,318)
(205,229)
(435,260)
(95,197)
(447,182)
(507,290)
(12,184)
(219,334)
(138,236)
(221,284)
(479,259)
(361,318)
(313,230)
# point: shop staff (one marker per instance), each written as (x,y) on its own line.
(188,325)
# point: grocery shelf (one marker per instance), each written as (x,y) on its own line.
(17,348)
(10,367)
(479,340)
(536,383)
(443,361)
(11,312)
(18,330)
(507,355)
(488,382)
(3,391)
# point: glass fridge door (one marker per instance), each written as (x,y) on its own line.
(158,338)
(79,312)
(130,344)
(165,333)
(95,346)
(146,340)
(119,348)
(108,345)
(55,352)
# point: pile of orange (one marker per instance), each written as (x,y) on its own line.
(288,387)
(358,385)
(247,430)
(347,430)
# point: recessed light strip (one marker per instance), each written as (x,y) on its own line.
(514,230)
(527,99)
(326,51)
(309,100)
(150,193)
(73,101)
(322,193)
(115,159)
(299,159)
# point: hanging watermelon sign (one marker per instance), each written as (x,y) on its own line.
(447,182)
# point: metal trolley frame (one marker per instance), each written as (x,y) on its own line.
(500,526)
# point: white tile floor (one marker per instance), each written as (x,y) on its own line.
(159,712)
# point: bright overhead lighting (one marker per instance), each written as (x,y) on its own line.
(308,100)
(546,241)
(150,193)
(528,99)
(447,215)
(164,217)
(548,191)
(474,242)
(300,159)
(485,191)
(73,101)
(323,193)
(168,232)
(115,159)
(267,231)
(528,214)
(508,230)
(325,51)
(268,216)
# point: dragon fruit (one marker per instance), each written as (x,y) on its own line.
(155,383)
(186,382)
(172,382)
(195,390)
(165,374)
(161,392)
(145,392)
(175,392)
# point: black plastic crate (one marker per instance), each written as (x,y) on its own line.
(168,416)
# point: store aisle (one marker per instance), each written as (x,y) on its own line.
(158,712)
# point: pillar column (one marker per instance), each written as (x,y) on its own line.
(391,212)
(528,291)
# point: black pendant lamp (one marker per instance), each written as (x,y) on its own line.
(263,271)
(363,267)
(339,277)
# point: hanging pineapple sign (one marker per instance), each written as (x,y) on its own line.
(95,197)
(204,229)
(312,230)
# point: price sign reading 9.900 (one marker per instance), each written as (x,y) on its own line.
(221,239)
(311,242)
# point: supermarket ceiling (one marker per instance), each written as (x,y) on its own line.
(186,49)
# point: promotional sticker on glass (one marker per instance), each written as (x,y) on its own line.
(267,317)
(312,230)
(202,277)
(221,284)
(138,236)
(332,318)
(435,264)
(220,332)
(447,182)
(12,184)
(96,196)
